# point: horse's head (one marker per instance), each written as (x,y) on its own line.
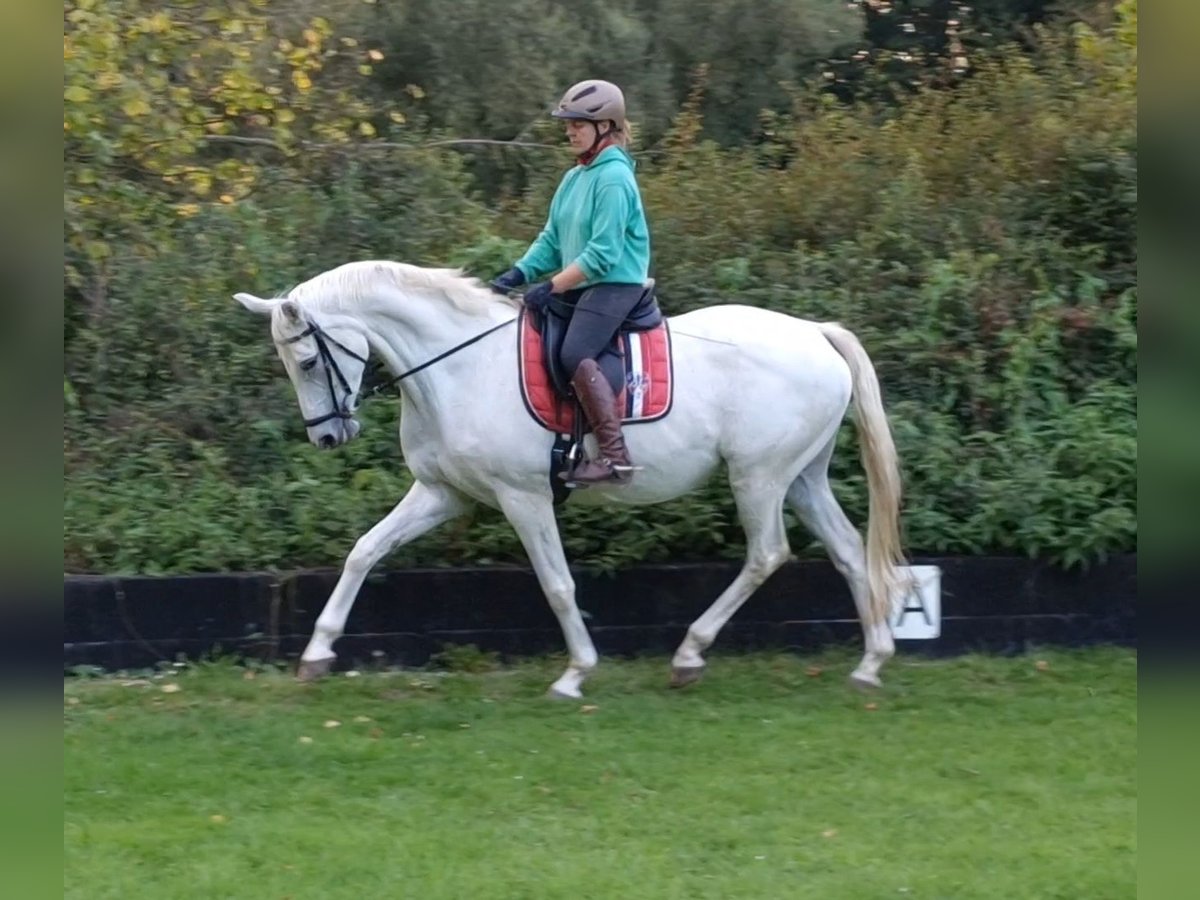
(325,362)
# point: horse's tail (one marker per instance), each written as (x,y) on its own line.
(884,550)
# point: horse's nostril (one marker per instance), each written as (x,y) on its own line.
(328,441)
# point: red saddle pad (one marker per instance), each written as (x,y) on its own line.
(645,396)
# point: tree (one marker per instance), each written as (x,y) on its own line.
(154,97)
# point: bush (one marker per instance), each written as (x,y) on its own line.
(980,242)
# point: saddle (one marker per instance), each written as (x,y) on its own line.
(637,361)
(552,326)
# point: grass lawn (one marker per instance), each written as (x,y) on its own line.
(969,777)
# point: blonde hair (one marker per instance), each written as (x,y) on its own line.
(624,134)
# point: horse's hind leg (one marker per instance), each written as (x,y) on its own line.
(813,501)
(423,507)
(532,517)
(760,509)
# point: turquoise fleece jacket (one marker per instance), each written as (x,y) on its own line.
(596,220)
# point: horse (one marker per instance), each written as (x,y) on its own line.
(761,391)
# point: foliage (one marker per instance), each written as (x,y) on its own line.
(979,239)
(526,57)
(153,98)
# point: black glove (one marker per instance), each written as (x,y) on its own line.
(537,298)
(508,282)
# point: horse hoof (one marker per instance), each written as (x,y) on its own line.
(865,683)
(555,693)
(682,676)
(313,669)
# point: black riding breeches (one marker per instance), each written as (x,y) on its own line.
(598,314)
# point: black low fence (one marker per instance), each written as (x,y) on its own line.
(1005,605)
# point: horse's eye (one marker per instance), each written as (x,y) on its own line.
(307,364)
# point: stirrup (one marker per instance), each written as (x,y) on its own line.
(617,474)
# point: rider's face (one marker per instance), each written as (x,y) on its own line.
(581,133)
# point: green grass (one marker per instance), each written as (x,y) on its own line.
(971,777)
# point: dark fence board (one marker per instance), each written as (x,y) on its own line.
(402,617)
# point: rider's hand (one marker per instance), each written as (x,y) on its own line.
(508,282)
(538,296)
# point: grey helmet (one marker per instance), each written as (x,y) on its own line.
(594,101)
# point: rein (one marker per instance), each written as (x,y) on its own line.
(425,365)
(343,410)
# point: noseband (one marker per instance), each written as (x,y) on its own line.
(332,370)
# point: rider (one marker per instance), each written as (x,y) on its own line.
(597,243)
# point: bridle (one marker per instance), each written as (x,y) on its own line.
(342,410)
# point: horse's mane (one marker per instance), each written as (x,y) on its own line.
(348,284)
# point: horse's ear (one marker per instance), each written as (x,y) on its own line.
(291,309)
(256,304)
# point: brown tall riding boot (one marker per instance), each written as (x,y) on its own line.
(600,406)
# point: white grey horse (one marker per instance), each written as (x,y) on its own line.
(763,392)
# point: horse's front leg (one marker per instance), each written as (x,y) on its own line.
(532,517)
(424,507)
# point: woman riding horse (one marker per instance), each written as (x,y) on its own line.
(597,243)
